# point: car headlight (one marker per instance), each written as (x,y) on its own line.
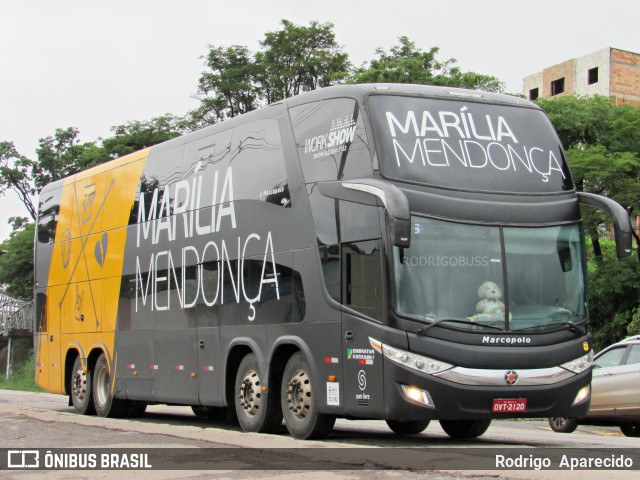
(410,360)
(580,364)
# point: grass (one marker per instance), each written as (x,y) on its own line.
(22,378)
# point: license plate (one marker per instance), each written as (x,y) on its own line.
(509,405)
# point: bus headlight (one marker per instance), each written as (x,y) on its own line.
(579,365)
(410,360)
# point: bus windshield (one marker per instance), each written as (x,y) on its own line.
(477,277)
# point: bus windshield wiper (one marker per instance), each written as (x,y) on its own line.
(454,320)
(566,325)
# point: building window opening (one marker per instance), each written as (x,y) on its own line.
(557,86)
(592,76)
(534,93)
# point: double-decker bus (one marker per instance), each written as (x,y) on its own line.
(396,252)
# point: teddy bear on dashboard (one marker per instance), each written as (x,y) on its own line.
(490,304)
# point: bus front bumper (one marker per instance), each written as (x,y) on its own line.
(411,395)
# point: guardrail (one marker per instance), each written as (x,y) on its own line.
(15,315)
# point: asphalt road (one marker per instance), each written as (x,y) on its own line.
(356,449)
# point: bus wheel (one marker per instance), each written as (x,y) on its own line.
(297,398)
(465,428)
(411,427)
(81,393)
(257,410)
(105,404)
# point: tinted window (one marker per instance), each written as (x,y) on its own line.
(611,358)
(467,145)
(634,355)
(331,140)
(362,277)
(49,208)
(257,163)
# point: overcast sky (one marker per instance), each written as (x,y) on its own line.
(93,64)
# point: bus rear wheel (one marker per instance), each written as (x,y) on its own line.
(105,403)
(298,402)
(81,389)
(465,428)
(257,409)
(411,427)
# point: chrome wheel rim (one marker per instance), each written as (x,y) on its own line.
(250,394)
(299,394)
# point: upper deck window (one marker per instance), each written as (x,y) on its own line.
(331,140)
(468,145)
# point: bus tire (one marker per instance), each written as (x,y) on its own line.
(563,424)
(411,427)
(298,401)
(257,410)
(105,404)
(465,428)
(81,389)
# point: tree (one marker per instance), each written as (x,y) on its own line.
(602,144)
(15,175)
(405,63)
(16,265)
(298,59)
(230,86)
(137,135)
(293,59)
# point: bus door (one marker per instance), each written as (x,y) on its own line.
(210,365)
(362,291)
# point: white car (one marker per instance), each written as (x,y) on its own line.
(615,391)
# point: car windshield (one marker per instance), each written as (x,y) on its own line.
(472,276)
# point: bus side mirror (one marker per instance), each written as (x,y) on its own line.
(622,228)
(375,191)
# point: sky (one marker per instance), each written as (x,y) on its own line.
(93,64)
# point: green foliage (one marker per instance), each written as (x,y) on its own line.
(603,152)
(16,265)
(229,87)
(293,59)
(297,59)
(23,367)
(137,135)
(16,175)
(405,63)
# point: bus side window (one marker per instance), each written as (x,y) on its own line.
(48,216)
(331,140)
(362,277)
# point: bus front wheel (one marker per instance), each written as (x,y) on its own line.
(412,427)
(81,391)
(257,409)
(465,428)
(298,402)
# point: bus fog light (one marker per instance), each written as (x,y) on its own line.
(583,395)
(417,395)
